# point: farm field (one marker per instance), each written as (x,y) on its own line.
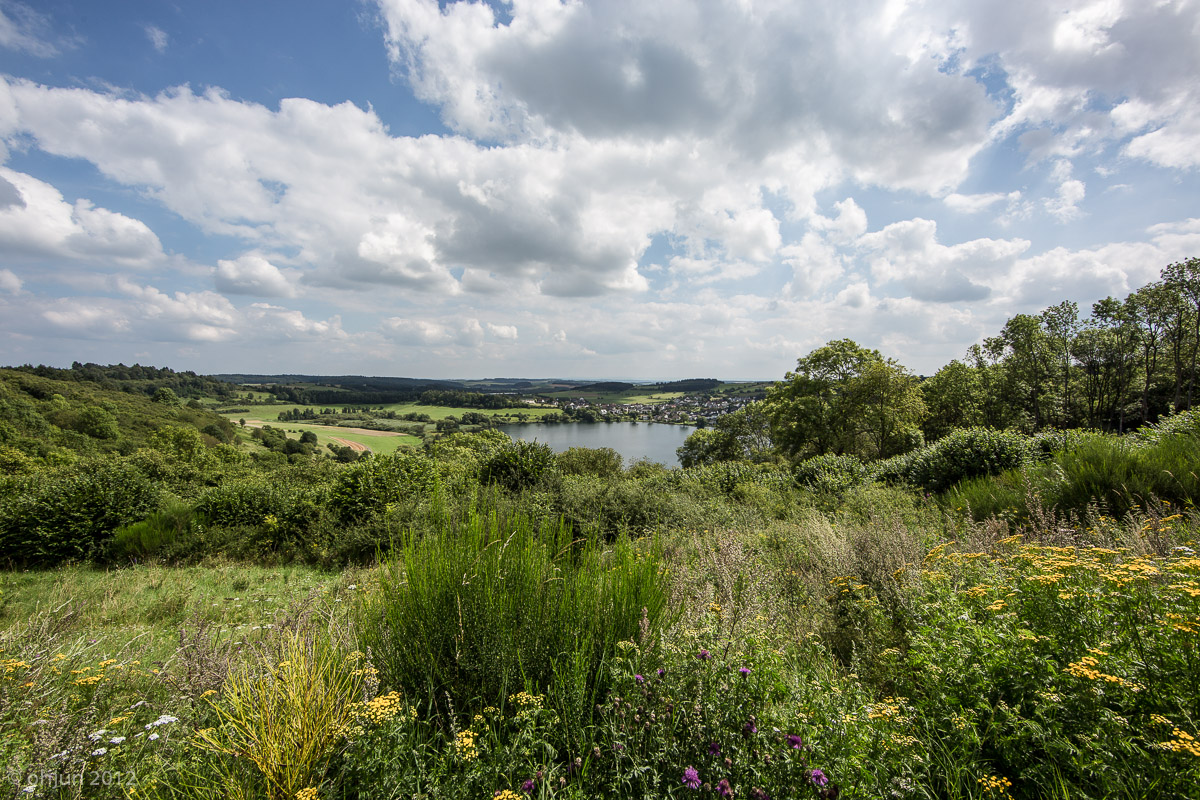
(382,442)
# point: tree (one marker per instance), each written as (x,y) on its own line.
(744,435)
(953,399)
(842,399)
(1184,278)
(1027,363)
(1061,325)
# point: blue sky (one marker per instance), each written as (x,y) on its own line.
(584,189)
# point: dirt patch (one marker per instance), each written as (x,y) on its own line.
(356,446)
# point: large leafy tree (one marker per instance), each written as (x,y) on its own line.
(843,398)
(744,435)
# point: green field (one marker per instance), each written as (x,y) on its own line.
(441,412)
(383,443)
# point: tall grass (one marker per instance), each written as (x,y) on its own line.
(487,606)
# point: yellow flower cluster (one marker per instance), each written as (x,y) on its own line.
(888,709)
(959,721)
(310,793)
(464,745)
(382,709)
(1183,742)
(11,665)
(978,591)
(1085,668)
(995,786)
(506,794)
(1160,719)
(526,700)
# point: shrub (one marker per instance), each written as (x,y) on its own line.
(146,538)
(487,606)
(830,474)
(372,483)
(70,514)
(967,453)
(602,462)
(518,465)
(285,714)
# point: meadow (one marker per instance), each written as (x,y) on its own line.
(746,638)
(988,616)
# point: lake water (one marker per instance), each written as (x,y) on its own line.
(633,440)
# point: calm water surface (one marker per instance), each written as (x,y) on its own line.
(633,440)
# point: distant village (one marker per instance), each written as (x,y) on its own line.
(686,410)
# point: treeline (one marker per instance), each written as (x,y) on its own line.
(1128,363)
(138,379)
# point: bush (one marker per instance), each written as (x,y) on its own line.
(146,538)
(518,465)
(968,453)
(488,606)
(830,474)
(602,462)
(70,514)
(372,483)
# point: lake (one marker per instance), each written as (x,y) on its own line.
(633,440)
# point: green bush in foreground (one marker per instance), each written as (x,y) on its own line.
(486,606)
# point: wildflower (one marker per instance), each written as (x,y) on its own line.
(744,671)
(528,786)
(749,728)
(703,655)
(311,793)
(116,740)
(165,719)
(794,741)
(661,672)
(691,778)
(818,778)
(152,736)
(99,751)
(714,749)
(723,788)
(506,794)
(759,794)
(639,679)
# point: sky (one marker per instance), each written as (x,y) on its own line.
(581,189)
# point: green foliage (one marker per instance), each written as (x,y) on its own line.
(68,513)
(487,606)
(518,465)
(601,462)
(97,423)
(142,540)
(843,398)
(967,453)
(830,474)
(372,483)
(743,435)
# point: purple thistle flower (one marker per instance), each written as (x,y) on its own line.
(818,778)
(661,672)
(703,655)
(639,679)
(745,671)
(691,778)
(723,788)
(528,786)
(795,742)
(749,727)
(759,794)
(714,749)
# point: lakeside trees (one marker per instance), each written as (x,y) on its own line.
(1122,366)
